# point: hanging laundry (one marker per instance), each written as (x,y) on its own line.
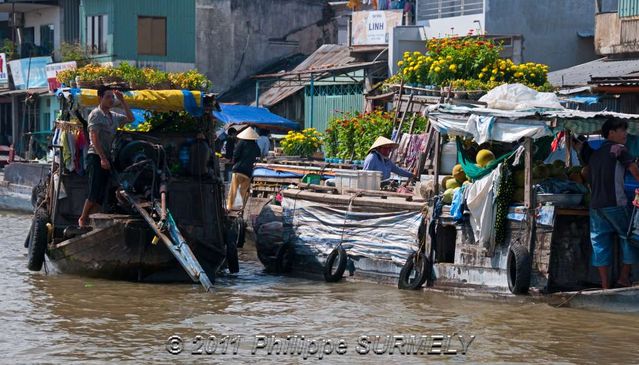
(81,151)
(69,151)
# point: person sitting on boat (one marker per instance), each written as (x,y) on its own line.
(102,125)
(377,159)
(246,153)
(609,211)
(264,142)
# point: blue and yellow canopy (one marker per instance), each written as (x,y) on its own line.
(153,100)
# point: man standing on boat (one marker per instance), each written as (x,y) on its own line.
(246,153)
(102,126)
(377,159)
(609,211)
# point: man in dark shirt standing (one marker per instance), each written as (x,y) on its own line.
(244,156)
(609,211)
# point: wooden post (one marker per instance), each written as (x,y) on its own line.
(424,155)
(438,145)
(398,104)
(398,136)
(528,190)
(568,137)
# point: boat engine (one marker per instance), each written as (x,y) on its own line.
(140,167)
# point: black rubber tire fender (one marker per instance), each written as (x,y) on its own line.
(418,263)
(339,254)
(518,269)
(38,240)
(284,258)
(232,260)
(241,233)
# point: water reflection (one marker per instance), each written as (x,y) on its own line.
(57,318)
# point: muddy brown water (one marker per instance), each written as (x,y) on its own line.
(56,318)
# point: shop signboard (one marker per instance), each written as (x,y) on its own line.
(374,27)
(29,73)
(52,70)
(4,75)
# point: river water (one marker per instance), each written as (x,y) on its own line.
(55,318)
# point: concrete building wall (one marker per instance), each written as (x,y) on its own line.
(549,29)
(237,38)
(407,38)
(43,17)
(458,26)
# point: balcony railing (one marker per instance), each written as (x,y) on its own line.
(436,9)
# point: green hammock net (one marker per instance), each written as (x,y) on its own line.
(470,168)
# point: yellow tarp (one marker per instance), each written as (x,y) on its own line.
(156,100)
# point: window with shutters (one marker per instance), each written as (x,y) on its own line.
(96,33)
(152,36)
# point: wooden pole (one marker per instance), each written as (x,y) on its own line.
(398,136)
(398,103)
(568,137)
(528,190)
(438,144)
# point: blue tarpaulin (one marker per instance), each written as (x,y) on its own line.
(260,117)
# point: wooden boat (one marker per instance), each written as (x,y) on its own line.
(378,234)
(544,256)
(158,225)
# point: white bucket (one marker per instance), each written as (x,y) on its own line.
(448,158)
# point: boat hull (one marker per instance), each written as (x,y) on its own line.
(124,251)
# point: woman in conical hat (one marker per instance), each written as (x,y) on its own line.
(244,156)
(377,159)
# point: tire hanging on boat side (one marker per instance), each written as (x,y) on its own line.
(38,238)
(241,232)
(518,269)
(339,254)
(284,258)
(418,264)
(232,261)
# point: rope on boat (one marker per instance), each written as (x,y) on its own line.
(574,295)
(568,299)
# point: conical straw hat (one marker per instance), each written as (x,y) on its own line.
(382,141)
(248,134)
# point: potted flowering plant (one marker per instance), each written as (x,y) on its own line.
(303,144)
(449,60)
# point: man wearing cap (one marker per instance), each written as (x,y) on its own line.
(244,156)
(377,159)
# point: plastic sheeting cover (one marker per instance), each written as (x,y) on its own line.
(382,234)
(156,100)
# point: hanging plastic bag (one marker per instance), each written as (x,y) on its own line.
(238,203)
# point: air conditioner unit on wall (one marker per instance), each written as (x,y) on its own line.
(16,20)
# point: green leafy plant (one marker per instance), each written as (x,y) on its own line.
(132,75)
(176,121)
(74,52)
(9,49)
(350,135)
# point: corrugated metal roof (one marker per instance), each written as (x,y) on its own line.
(6,92)
(579,75)
(327,56)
